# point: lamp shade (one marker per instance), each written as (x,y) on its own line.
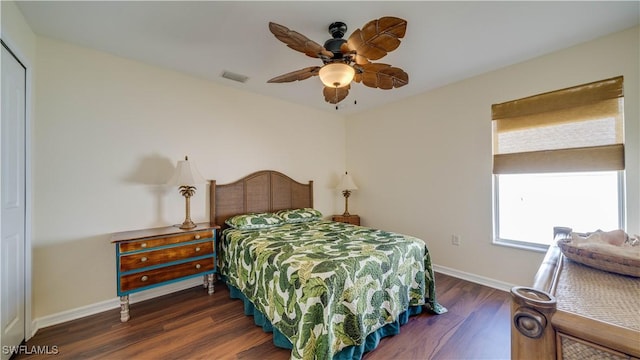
(347,183)
(186,174)
(336,74)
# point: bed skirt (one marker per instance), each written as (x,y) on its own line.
(351,352)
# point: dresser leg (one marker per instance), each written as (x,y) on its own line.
(210,283)
(124,308)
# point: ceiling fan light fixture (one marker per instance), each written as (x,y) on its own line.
(336,75)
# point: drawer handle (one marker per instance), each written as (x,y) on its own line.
(198,237)
(144,278)
(197,249)
(143,245)
(144,259)
(198,266)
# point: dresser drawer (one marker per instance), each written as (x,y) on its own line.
(151,277)
(145,244)
(162,256)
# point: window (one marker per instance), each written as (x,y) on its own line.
(559,161)
(530,205)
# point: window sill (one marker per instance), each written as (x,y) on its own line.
(521,245)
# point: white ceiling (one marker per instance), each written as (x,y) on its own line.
(446,41)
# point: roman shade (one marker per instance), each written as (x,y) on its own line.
(580,128)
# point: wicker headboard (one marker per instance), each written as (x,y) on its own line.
(262,191)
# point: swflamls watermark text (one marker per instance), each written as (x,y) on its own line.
(30,350)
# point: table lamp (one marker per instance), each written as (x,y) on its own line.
(346,186)
(186,177)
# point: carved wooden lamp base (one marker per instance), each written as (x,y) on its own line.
(187,192)
(346,194)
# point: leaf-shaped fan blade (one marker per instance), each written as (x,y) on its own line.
(377,38)
(334,95)
(296,75)
(298,42)
(382,76)
(346,51)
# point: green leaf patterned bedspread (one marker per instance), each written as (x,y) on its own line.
(327,285)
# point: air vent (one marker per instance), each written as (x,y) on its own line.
(235,77)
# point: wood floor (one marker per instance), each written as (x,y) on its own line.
(192,325)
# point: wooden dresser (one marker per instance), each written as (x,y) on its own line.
(573,311)
(351,219)
(154,257)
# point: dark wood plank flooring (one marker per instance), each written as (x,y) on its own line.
(192,325)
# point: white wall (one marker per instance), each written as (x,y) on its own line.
(423,166)
(15,32)
(108,134)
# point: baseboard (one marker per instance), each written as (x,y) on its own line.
(114,303)
(496,284)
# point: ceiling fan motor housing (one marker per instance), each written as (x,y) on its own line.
(333,45)
(337,31)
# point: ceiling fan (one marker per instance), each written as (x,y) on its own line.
(347,60)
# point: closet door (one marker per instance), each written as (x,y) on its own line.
(12,203)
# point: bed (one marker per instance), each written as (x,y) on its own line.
(326,290)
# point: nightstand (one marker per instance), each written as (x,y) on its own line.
(154,257)
(351,219)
